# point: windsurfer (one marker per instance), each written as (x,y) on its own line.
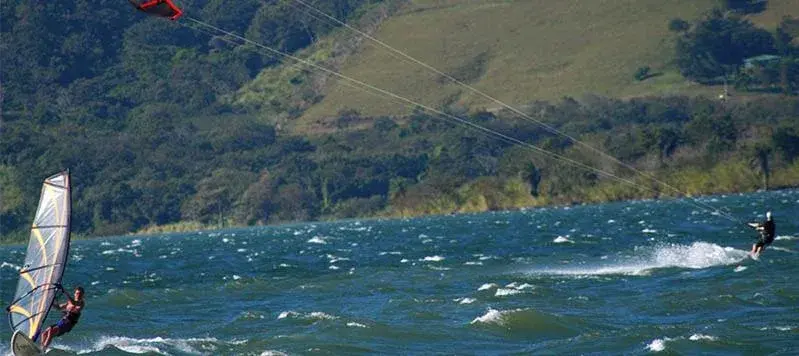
(72,309)
(766,229)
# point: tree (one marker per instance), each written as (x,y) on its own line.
(786,141)
(717,132)
(216,195)
(679,25)
(533,176)
(718,45)
(255,204)
(760,160)
(745,6)
(642,73)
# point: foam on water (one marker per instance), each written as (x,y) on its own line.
(492,316)
(306,316)
(10,265)
(780,328)
(273,353)
(433,258)
(134,252)
(487,286)
(529,322)
(517,286)
(657,345)
(562,239)
(465,300)
(501,292)
(156,345)
(317,240)
(695,256)
(697,337)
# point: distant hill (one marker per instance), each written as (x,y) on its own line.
(523,51)
(178,125)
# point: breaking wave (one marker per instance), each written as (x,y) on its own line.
(527,321)
(156,345)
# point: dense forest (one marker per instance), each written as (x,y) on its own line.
(147,116)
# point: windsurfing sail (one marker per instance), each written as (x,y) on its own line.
(45,260)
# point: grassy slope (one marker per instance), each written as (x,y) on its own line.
(530,50)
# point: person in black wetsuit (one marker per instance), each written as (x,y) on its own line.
(766,237)
(72,309)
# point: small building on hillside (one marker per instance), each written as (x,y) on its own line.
(761,60)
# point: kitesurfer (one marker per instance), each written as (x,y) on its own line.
(72,309)
(766,229)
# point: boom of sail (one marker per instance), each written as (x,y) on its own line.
(45,260)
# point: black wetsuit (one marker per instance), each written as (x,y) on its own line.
(767,234)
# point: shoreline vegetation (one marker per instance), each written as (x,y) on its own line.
(418,165)
(789,175)
(703,185)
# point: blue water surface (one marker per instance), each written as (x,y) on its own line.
(621,278)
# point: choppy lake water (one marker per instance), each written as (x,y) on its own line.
(632,277)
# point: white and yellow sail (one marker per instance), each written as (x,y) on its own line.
(46,257)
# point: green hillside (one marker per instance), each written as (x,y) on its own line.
(522,51)
(174,125)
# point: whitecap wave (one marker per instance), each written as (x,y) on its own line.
(157,345)
(435,258)
(694,256)
(273,353)
(487,286)
(502,292)
(697,337)
(465,300)
(492,316)
(306,316)
(780,328)
(562,239)
(517,286)
(657,345)
(10,265)
(317,240)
